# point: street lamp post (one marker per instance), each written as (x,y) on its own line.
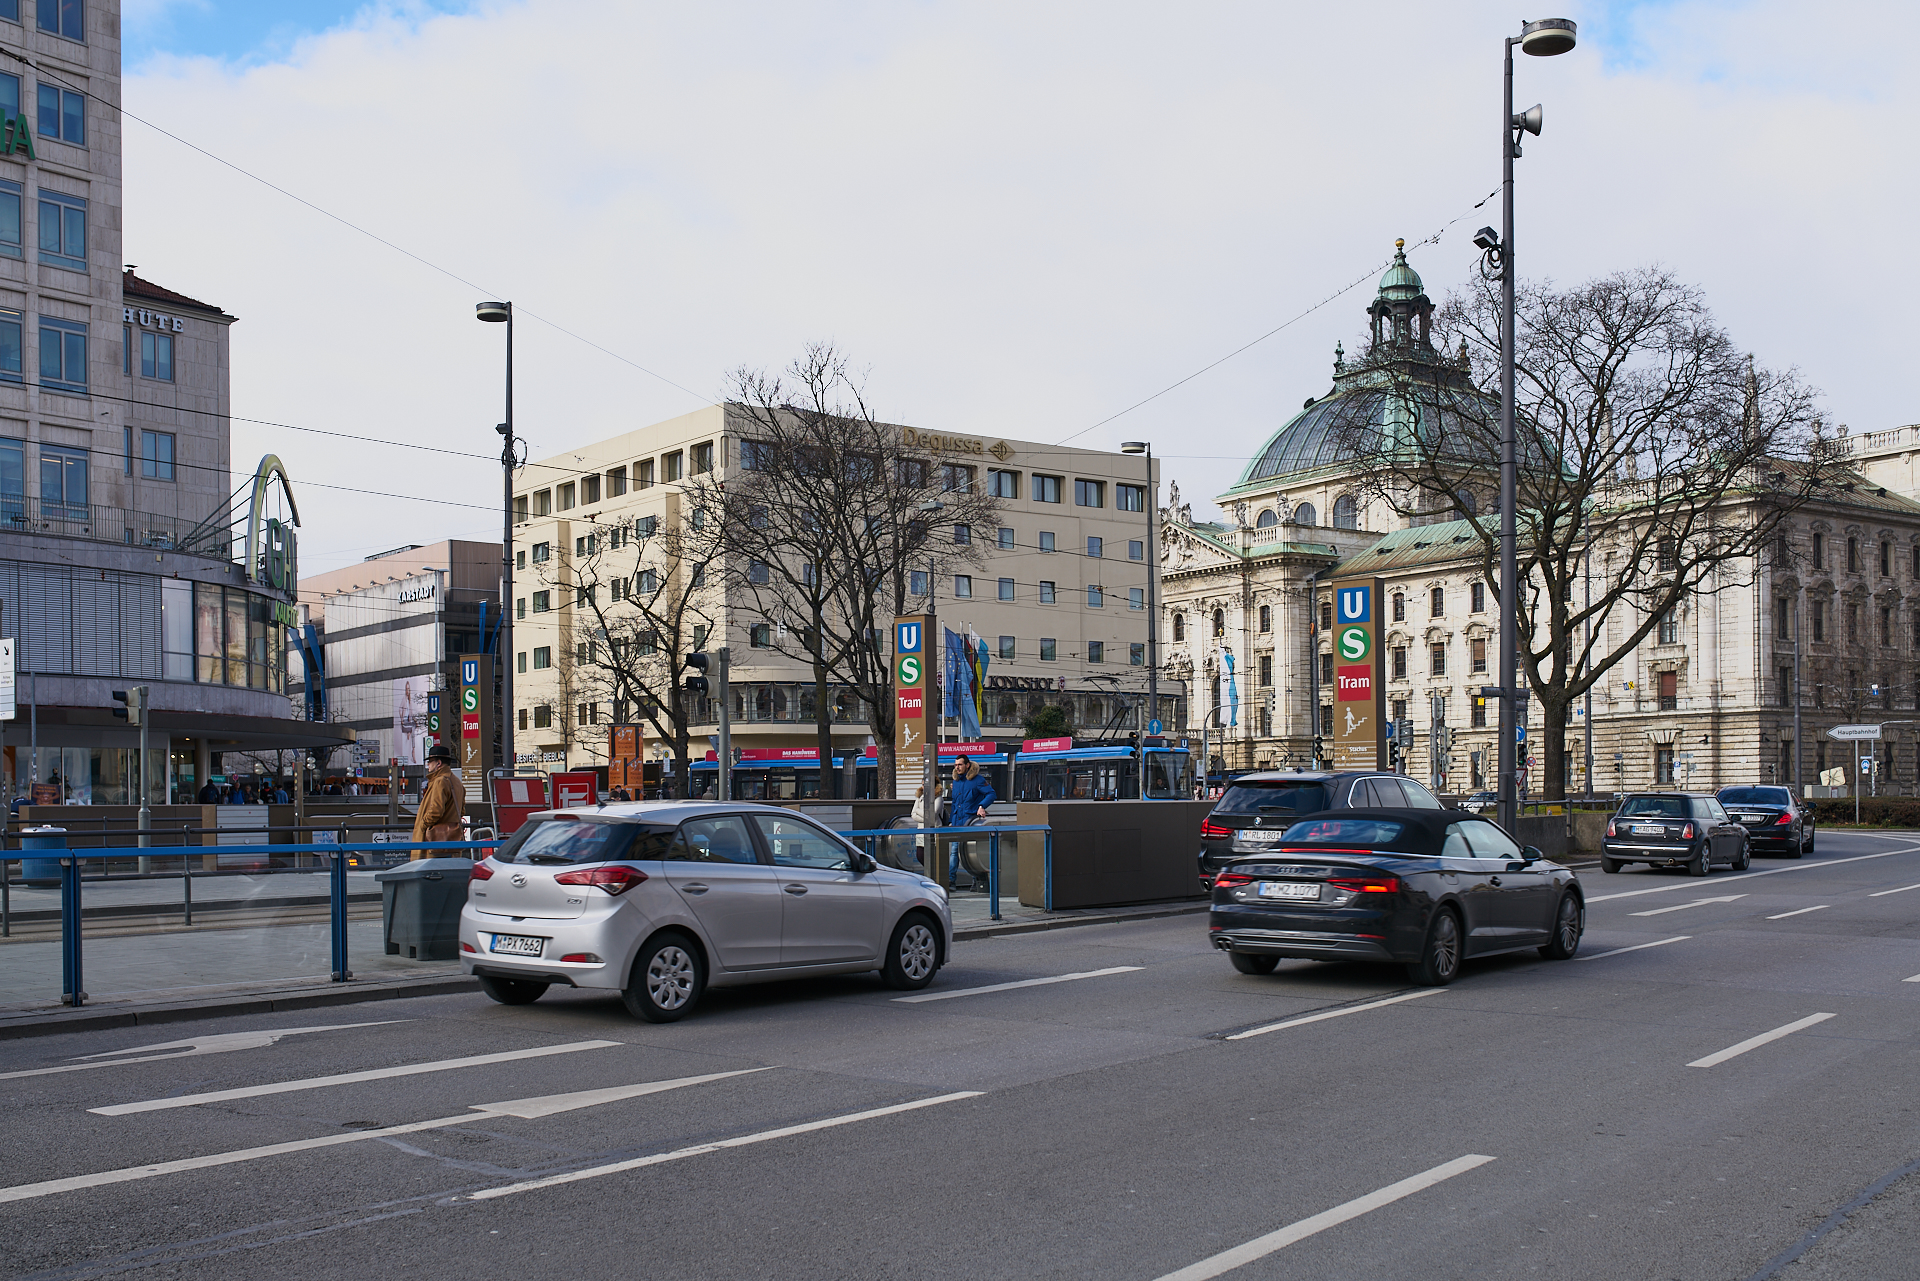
(496,312)
(1153,603)
(1543,37)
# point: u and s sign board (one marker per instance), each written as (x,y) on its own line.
(1359,722)
(911,656)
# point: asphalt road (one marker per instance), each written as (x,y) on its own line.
(1580,1119)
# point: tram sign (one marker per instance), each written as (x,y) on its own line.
(475,750)
(1854,733)
(1359,693)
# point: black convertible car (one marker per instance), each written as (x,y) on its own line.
(1429,888)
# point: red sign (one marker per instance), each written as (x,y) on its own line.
(514,799)
(469,725)
(1353,682)
(1047,745)
(913,703)
(572,790)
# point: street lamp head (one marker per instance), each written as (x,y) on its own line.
(1486,239)
(502,428)
(494,311)
(933,505)
(1545,37)
(1134,446)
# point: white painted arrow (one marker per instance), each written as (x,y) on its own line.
(220,1043)
(1681,907)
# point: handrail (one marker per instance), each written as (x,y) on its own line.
(992,832)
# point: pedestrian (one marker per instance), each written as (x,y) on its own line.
(280,796)
(210,793)
(925,813)
(972,793)
(443,803)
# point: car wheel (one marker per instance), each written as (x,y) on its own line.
(512,991)
(1745,860)
(1247,963)
(1569,923)
(1701,863)
(1440,957)
(913,954)
(1805,846)
(667,979)
(1609,865)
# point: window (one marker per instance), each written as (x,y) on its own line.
(156,456)
(63,482)
(1096,547)
(1669,691)
(1346,512)
(700,575)
(1477,599)
(963,586)
(542,602)
(1478,653)
(1782,618)
(1853,555)
(542,552)
(1886,559)
(63,115)
(10,192)
(1220,622)
(1266,618)
(1326,718)
(563,497)
(1046,591)
(10,346)
(1089,493)
(1095,597)
(1326,615)
(699,636)
(1399,663)
(760,635)
(1003,484)
(542,503)
(1819,550)
(698,518)
(1886,627)
(619,592)
(520,607)
(672,465)
(1129,498)
(963,535)
(589,490)
(956,478)
(757,455)
(757,572)
(1048,649)
(1137,653)
(616,482)
(644,526)
(583,545)
(1006,647)
(1785,698)
(1006,589)
(63,230)
(542,658)
(520,560)
(63,355)
(520,662)
(9,84)
(1047,541)
(1136,598)
(1437,659)
(1669,629)
(1326,669)
(1179,627)
(1668,555)
(1853,622)
(1046,489)
(1006,539)
(917,582)
(1266,669)
(1399,607)
(1096,651)
(702,458)
(643,474)
(63,18)
(1819,620)
(156,356)
(1439,602)
(1477,713)
(543,717)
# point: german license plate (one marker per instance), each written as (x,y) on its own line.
(1289,889)
(518,944)
(1751,818)
(1650,829)
(1259,838)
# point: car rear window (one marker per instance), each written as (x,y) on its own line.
(1368,832)
(1755,796)
(1284,796)
(585,840)
(1656,806)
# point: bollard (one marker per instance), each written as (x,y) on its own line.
(338,877)
(1046,858)
(993,876)
(72,988)
(186,889)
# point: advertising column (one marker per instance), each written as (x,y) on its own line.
(475,752)
(1359,693)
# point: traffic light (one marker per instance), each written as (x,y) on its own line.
(135,704)
(696,684)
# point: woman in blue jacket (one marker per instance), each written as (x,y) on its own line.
(972,793)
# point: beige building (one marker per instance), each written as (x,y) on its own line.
(1059,596)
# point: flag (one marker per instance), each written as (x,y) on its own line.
(1233,691)
(962,692)
(981,658)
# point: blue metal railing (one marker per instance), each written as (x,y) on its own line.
(869,836)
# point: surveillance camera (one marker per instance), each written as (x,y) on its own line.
(1486,238)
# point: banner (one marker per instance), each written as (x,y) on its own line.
(1233,690)
(964,667)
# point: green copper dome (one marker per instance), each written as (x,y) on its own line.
(1401,283)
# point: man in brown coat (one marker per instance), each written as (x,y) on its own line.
(443,803)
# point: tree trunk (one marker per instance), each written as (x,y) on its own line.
(823,725)
(1553,750)
(885,786)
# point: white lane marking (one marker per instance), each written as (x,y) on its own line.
(1008,987)
(1914,979)
(1772,871)
(1260,1247)
(764,1136)
(220,1044)
(1902,890)
(1334,1014)
(479,1112)
(1681,907)
(348,1078)
(1799,911)
(1755,1042)
(1678,938)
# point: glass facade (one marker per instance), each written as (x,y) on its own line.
(235,639)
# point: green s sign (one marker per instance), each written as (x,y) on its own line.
(1353,644)
(909,669)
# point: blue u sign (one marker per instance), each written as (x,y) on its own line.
(470,672)
(1355,604)
(908,641)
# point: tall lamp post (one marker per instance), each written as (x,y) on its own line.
(1543,37)
(495,313)
(1153,603)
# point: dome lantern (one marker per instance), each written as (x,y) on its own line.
(1399,307)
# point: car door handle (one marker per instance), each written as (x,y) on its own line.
(1494,881)
(796,889)
(693,887)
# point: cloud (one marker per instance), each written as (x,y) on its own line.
(1022,218)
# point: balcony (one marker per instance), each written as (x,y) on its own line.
(25,514)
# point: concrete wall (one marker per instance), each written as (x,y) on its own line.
(1110,853)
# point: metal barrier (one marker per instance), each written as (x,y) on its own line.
(992,832)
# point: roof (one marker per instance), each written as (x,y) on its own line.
(132,286)
(1401,280)
(1450,540)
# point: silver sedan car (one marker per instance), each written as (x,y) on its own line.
(657,901)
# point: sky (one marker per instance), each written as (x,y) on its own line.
(1020,219)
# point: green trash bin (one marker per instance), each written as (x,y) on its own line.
(420,906)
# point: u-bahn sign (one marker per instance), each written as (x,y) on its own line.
(912,652)
(1359,693)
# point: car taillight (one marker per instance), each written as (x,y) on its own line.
(1785,819)
(1213,830)
(481,872)
(468,947)
(614,879)
(1686,833)
(1231,879)
(1610,831)
(583,958)
(1366,884)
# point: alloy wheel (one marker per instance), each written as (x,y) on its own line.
(916,952)
(1568,927)
(1446,945)
(670,978)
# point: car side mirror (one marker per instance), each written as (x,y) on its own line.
(1528,854)
(862,863)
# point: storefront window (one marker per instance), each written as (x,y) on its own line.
(207,644)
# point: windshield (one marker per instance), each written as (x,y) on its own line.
(1656,806)
(585,840)
(1280,796)
(1755,796)
(1367,832)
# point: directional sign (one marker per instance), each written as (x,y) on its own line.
(1854,733)
(1154,727)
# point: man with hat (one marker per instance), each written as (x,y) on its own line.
(443,803)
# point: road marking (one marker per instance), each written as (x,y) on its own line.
(1796,912)
(1681,907)
(348,1078)
(1678,938)
(536,1107)
(1008,987)
(221,1044)
(1914,979)
(1772,871)
(1261,1247)
(1902,890)
(764,1136)
(1334,1014)
(1755,1042)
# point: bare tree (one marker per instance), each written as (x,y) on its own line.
(1656,461)
(828,522)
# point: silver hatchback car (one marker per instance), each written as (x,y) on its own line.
(659,900)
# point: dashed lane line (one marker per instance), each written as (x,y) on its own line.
(1902,890)
(1681,907)
(1597,956)
(1755,1042)
(1747,876)
(1333,1014)
(1800,911)
(1008,987)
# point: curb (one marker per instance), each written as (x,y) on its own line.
(1107,918)
(92,1020)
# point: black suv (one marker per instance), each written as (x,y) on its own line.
(1674,829)
(1775,822)
(1256,808)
